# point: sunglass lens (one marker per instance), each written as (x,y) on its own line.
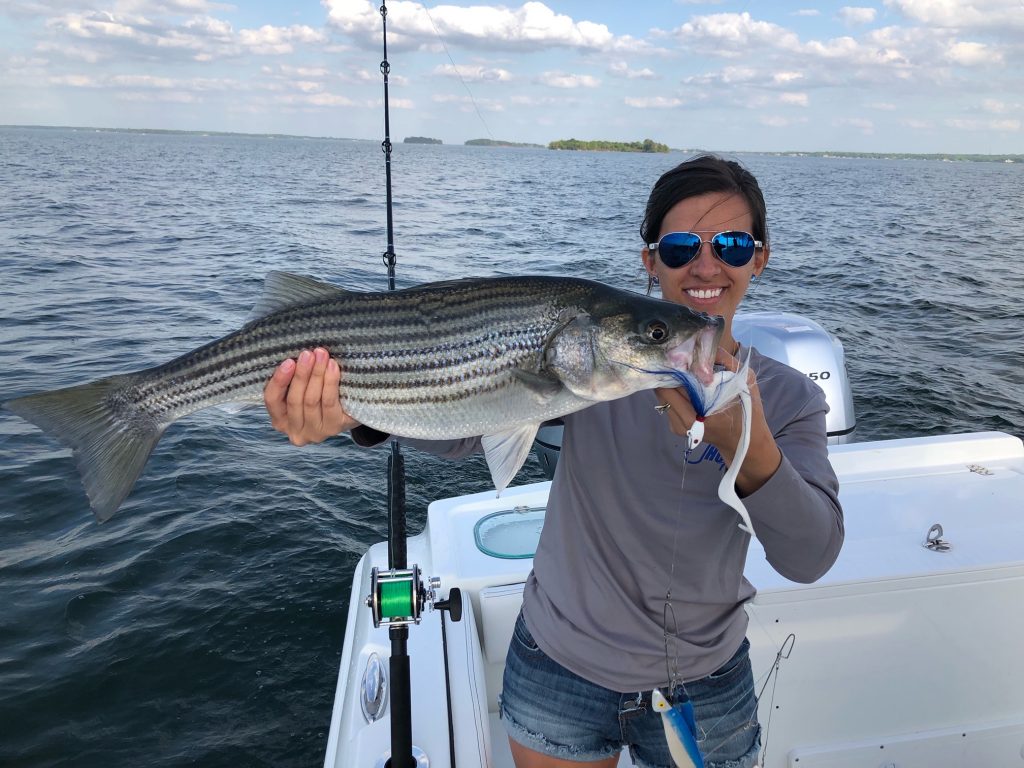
(734,248)
(678,248)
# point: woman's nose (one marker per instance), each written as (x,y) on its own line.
(705,263)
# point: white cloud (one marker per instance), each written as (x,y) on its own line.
(467,104)
(973,54)
(806,12)
(862,124)
(883,106)
(473,73)
(855,15)
(733,34)
(973,124)
(279,40)
(531,26)
(795,99)
(915,123)
(542,101)
(781,78)
(994,106)
(778,121)
(203,37)
(963,14)
(75,81)
(654,102)
(622,69)
(563,80)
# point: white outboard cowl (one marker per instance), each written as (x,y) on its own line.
(791,339)
(803,344)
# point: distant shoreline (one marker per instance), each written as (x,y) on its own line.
(837,154)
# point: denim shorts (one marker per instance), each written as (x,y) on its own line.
(551,710)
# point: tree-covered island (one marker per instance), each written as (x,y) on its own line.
(647,145)
(421,140)
(500,143)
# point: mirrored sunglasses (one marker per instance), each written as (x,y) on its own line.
(676,249)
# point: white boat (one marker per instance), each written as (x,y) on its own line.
(907,653)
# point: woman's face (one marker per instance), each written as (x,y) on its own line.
(707,284)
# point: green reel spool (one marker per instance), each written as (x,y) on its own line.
(395,596)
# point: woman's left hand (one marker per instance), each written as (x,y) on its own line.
(723,429)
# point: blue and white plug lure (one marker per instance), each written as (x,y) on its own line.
(711,398)
(680,729)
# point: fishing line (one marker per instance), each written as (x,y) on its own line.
(458,73)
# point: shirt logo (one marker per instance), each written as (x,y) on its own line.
(707,452)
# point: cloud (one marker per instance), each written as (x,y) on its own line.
(778,121)
(973,54)
(563,80)
(974,124)
(794,99)
(854,15)
(466,104)
(994,106)
(654,102)
(734,34)
(806,12)
(473,73)
(862,124)
(279,40)
(963,14)
(622,69)
(201,37)
(781,78)
(532,26)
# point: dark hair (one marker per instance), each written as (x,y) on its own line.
(698,176)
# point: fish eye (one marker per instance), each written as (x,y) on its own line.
(657,331)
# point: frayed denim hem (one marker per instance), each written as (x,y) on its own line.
(538,743)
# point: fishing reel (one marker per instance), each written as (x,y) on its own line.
(398,596)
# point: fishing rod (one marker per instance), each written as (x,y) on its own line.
(397,596)
(401,693)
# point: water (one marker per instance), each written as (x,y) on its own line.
(204,623)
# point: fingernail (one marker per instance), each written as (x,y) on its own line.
(320,354)
(288,366)
(305,356)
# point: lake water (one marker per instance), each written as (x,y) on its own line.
(203,624)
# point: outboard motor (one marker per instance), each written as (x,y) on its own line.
(791,339)
(803,344)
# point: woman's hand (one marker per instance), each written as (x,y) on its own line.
(723,429)
(302,398)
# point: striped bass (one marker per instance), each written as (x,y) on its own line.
(479,356)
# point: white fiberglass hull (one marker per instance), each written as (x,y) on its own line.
(903,656)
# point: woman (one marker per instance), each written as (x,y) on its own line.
(638,576)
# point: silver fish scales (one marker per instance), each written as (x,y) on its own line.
(487,356)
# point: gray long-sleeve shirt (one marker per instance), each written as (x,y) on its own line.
(627,502)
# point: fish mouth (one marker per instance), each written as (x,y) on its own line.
(697,354)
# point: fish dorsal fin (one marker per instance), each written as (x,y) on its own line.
(284,289)
(507,451)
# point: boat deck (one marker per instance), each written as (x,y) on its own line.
(898,648)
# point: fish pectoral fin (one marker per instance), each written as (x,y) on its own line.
(545,385)
(506,452)
(284,289)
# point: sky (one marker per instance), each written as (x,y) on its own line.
(883,76)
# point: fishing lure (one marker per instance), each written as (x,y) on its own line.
(680,728)
(708,399)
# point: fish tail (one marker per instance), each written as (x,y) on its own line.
(110,439)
